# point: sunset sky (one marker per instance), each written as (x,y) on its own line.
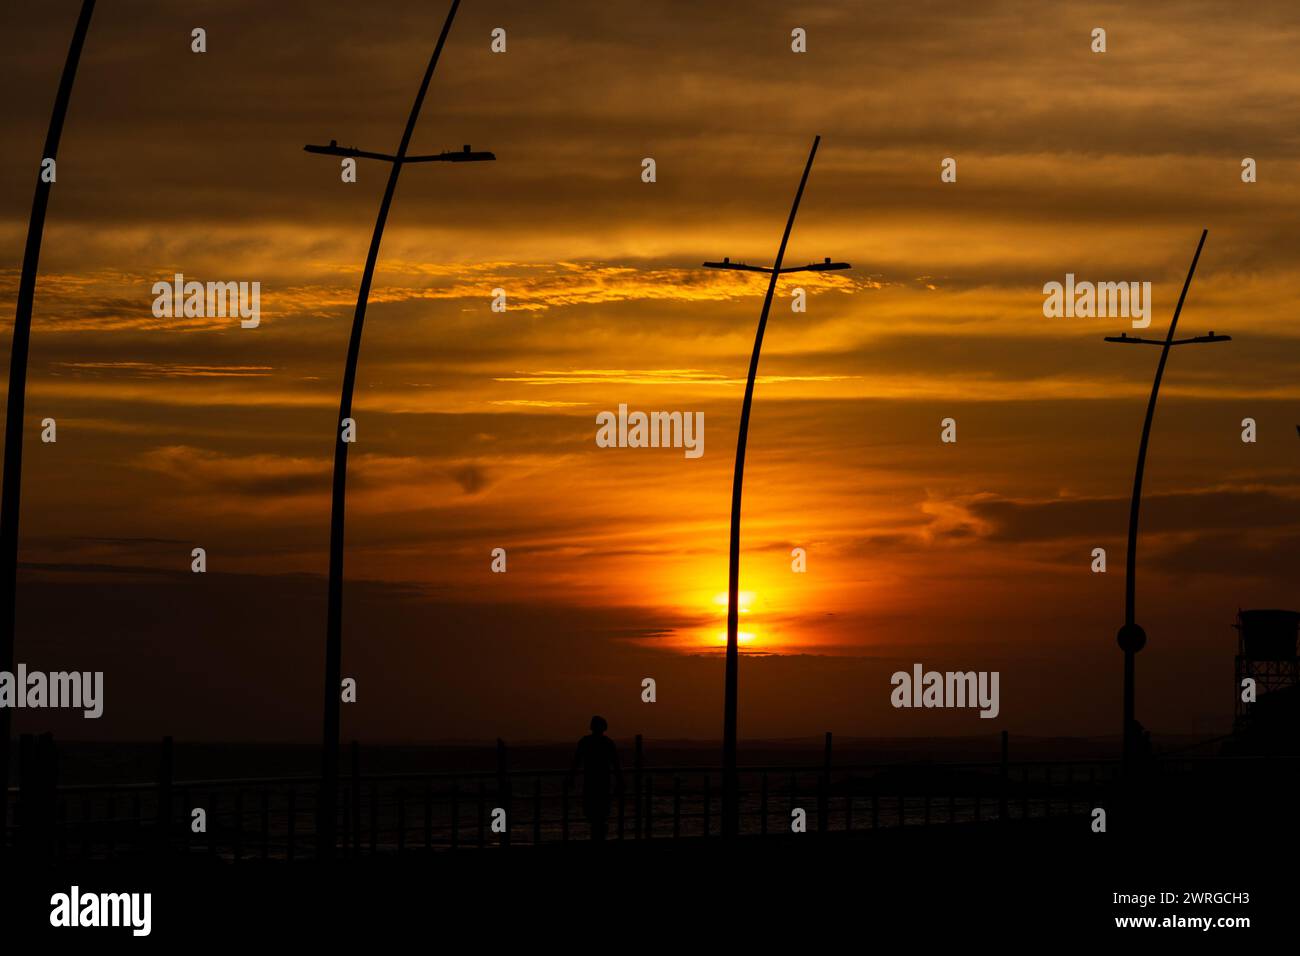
(476,429)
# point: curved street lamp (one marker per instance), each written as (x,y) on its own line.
(17,401)
(1132,638)
(326,821)
(730,787)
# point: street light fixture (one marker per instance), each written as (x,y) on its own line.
(824,266)
(730,787)
(326,821)
(465,155)
(1132,638)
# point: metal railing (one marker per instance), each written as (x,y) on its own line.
(392,813)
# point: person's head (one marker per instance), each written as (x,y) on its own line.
(599,725)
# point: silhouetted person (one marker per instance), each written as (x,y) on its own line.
(1143,753)
(598,758)
(1144,750)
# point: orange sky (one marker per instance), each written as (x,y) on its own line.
(476,429)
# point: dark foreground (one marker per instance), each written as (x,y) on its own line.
(1037,882)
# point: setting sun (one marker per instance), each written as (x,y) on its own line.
(744,599)
(742,637)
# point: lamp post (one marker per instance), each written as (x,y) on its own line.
(326,812)
(1132,638)
(730,786)
(10,497)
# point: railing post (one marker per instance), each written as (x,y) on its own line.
(37,796)
(504,789)
(649,805)
(165,774)
(356,799)
(401,818)
(636,788)
(374,815)
(428,814)
(762,807)
(266,823)
(1002,778)
(622,804)
(346,834)
(677,807)
(1024,792)
(537,810)
(564,807)
(793,799)
(455,814)
(25,811)
(137,815)
(87,837)
(238,846)
(824,790)
(482,839)
(708,804)
(213,822)
(110,809)
(49,782)
(291,825)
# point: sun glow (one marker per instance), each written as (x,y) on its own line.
(742,637)
(771,618)
(743,600)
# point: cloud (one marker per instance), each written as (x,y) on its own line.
(661,376)
(155,370)
(471,478)
(476,426)
(251,475)
(1202,511)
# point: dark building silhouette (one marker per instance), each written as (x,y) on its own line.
(1266,654)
